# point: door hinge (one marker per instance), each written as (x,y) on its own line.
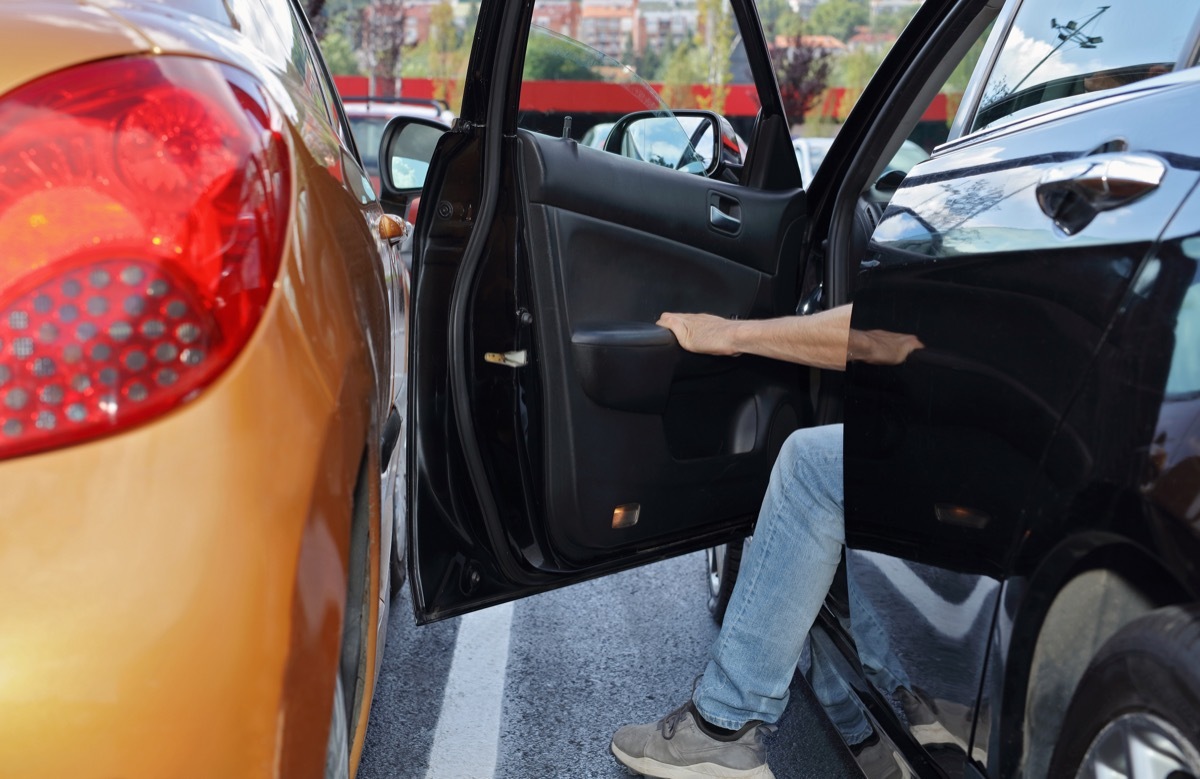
(511,359)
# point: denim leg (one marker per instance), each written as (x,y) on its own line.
(834,695)
(785,575)
(883,667)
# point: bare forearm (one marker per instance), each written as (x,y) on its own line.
(819,340)
(823,340)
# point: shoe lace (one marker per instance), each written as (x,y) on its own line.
(669,723)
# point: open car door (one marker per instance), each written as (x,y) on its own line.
(556,433)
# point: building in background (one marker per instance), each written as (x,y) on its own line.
(560,16)
(665,24)
(607,26)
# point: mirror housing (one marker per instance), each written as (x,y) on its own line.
(693,141)
(405,150)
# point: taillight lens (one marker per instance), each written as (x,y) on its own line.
(143,208)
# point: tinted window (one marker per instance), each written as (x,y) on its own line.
(1059,50)
(1185,361)
(368,132)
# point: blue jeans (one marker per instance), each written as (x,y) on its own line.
(785,575)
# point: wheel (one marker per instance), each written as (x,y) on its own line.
(337,748)
(349,689)
(723,564)
(1136,711)
(396,580)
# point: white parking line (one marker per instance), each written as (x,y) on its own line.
(467,739)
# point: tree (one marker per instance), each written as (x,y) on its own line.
(839,18)
(382,40)
(895,20)
(446,61)
(313,10)
(773,13)
(339,54)
(855,68)
(803,73)
(685,66)
(789,25)
(552,58)
(717,39)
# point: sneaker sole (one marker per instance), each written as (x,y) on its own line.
(650,767)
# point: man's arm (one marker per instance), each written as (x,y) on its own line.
(822,340)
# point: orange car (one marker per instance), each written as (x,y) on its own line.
(201,324)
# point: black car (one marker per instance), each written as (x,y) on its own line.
(1022,495)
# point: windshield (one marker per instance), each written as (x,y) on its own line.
(1064,50)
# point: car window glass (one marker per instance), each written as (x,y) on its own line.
(1184,377)
(302,65)
(588,65)
(368,132)
(1059,51)
(823,61)
(278,29)
(816,120)
(564,78)
(328,93)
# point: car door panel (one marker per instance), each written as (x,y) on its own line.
(1008,334)
(602,443)
(949,455)
(603,266)
(665,203)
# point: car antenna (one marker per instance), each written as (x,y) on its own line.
(566,128)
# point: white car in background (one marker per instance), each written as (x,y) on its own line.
(810,152)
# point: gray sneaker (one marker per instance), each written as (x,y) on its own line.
(676,748)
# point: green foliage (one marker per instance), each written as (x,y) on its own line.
(649,66)
(790,25)
(893,21)
(339,54)
(773,13)
(719,33)
(839,18)
(550,58)
(803,72)
(686,65)
(854,69)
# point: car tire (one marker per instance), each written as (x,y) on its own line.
(396,580)
(723,562)
(349,681)
(337,747)
(1139,699)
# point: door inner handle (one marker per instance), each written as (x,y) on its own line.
(723,221)
(1073,194)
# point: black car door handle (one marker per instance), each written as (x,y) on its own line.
(1074,193)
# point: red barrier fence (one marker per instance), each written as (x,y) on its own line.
(606,98)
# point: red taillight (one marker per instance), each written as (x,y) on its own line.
(143,204)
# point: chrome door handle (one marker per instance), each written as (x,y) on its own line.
(1074,193)
(723,221)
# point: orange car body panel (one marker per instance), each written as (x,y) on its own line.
(173,595)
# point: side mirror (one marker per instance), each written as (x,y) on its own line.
(890,180)
(405,150)
(699,142)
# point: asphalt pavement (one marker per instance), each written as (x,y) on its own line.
(535,689)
